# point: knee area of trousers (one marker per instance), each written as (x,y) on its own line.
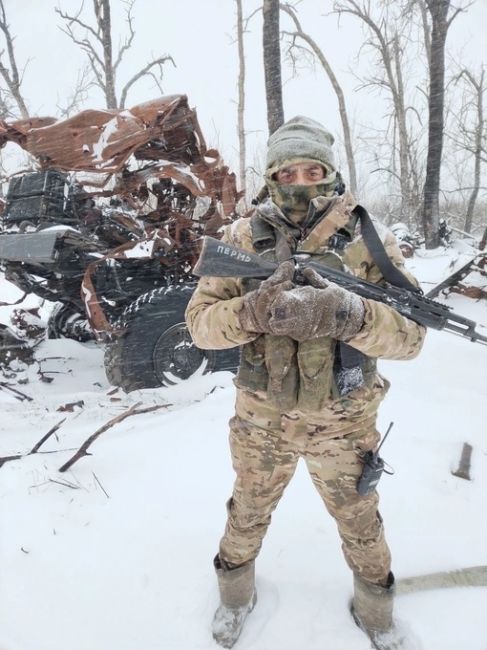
(363,527)
(242,516)
(353,506)
(248,521)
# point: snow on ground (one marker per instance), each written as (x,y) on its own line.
(434,266)
(117,552)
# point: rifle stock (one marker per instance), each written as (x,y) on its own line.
(221,260)
(218,259)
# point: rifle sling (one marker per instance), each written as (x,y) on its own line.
(348,357)
(376,248)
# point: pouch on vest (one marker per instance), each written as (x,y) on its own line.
(315,361)
(252,372)
(283,382)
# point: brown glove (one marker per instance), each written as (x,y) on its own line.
(323,309)
(255,313)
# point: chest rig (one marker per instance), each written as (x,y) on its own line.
(307,374)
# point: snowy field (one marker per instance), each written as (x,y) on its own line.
(116,553)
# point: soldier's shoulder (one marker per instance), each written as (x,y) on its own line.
(357,254)
(238,233)
(384,232)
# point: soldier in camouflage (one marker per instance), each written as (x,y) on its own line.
(295,398)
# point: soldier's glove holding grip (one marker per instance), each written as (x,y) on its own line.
(321,308)
(255,313)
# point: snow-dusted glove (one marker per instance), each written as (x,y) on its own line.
(323,309)
(255,313)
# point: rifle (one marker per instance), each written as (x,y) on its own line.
(218,259)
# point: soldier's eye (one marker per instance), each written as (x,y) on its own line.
(285,175)
(316,172)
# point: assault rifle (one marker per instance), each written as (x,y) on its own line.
(218,259)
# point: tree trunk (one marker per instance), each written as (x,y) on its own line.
(426,29)
(105,23)
(19,100)
(431,196)
(4,107)
(241,99)
(479,88)
(483,241)
(473,196)
(404,149)
(272,65)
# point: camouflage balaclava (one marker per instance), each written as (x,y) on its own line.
(301,139)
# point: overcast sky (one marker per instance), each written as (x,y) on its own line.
(199,35)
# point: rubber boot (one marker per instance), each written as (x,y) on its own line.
(237,596)
(372,610)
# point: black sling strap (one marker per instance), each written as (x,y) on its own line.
(348,360)
(376,248)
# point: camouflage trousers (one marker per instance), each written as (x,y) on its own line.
(265,460)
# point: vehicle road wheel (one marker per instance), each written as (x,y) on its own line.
(156,348)
(66,322)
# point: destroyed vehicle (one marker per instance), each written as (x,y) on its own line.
(107,228)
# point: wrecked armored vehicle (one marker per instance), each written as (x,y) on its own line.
(107,228)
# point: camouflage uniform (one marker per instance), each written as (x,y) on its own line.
(287,403)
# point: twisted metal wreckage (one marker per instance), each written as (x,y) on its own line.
(134,189)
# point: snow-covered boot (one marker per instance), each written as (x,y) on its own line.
(371,609)
(237,596)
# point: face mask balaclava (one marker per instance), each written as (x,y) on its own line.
(301,139)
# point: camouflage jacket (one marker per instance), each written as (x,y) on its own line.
(279,375)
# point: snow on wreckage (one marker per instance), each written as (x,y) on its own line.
(107,228)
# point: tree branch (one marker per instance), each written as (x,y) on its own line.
(145,70)
(318,52)
(85,44)
(133,410)
(78,96)
(129,39)
(76,19)
(12,78)
(51,432)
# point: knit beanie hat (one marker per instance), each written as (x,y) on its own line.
(300,137)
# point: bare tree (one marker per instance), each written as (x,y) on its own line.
(272,65)
(425,25)
(241,98)
(470,132)
(318,53)
(440,23)
(387,29)
(10,70)
(97,43)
